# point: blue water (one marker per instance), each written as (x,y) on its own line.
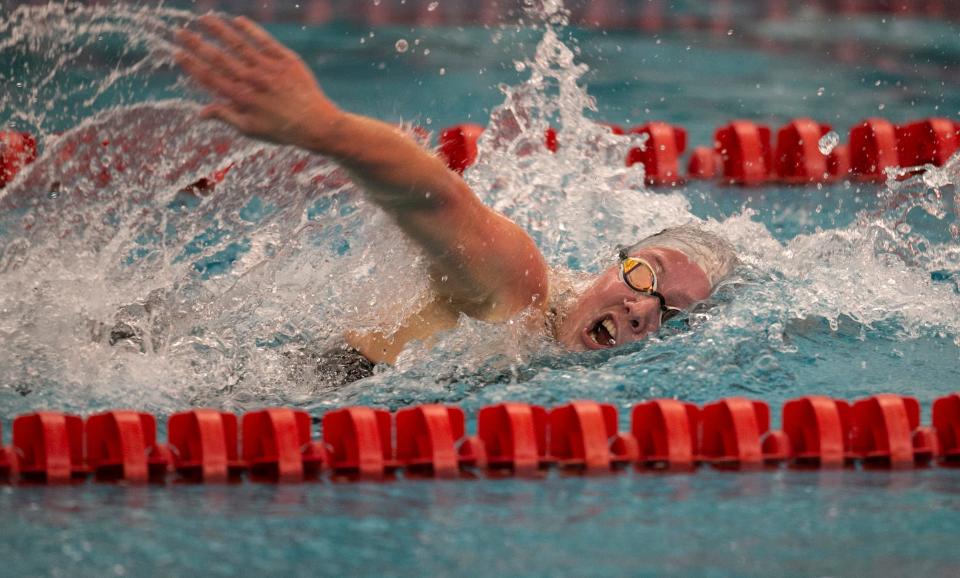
(786,523)
(709,524)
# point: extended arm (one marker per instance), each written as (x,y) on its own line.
(483,264)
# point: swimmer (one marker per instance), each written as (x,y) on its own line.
(481,264)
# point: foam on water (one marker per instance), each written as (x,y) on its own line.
(285,253)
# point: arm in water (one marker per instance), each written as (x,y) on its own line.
(482,264)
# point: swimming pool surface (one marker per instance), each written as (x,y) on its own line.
(847,289)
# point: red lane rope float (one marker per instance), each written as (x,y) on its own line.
(512,437)
(886,432)
(798,158)
(946,423)
(359,442)
(744,147)
(583,435)
(426,439)
(17,150)
(873,149)
(203,443)
(7,460)
(49,446)
(819,431)
(666,434)
(277,446)
(518,439)
(660,156)
(122,446)
(928,141)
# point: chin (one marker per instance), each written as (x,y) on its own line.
(568,335)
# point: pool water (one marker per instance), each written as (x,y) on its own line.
(847,289)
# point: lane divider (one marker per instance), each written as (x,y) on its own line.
(883,431)
(744,152)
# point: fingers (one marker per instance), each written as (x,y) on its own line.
(212,55)
(213,80)
(231,39)
(226,113)
(266,42)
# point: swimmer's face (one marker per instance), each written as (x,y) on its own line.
(609,313)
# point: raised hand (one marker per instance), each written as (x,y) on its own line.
(262,88)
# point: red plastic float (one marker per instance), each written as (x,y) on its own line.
(6,459)
(885,431)
(122,446)
(514,437)
(49,447)
(946,422)
(744,147)
(838,162)
(277,445)
(873,149)
(581,433)
(735,434)
(17,150)
(797,157)
(427,437)
(203,443)
(704,163)
(819,431)
(458,145)
(359,441)
(928,141)
(666,431)
(661,153)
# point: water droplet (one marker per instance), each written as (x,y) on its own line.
(443,71)
(402,45)
(730,32)
(828,142)
(820,91)
(432,6)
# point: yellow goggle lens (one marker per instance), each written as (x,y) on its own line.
(639,275)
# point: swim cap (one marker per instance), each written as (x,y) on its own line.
(712,253)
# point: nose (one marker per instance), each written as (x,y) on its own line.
(643,313)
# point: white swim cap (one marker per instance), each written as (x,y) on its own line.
(712,253)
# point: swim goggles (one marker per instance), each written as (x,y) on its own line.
(640,276)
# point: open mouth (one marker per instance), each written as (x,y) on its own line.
(603,332)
